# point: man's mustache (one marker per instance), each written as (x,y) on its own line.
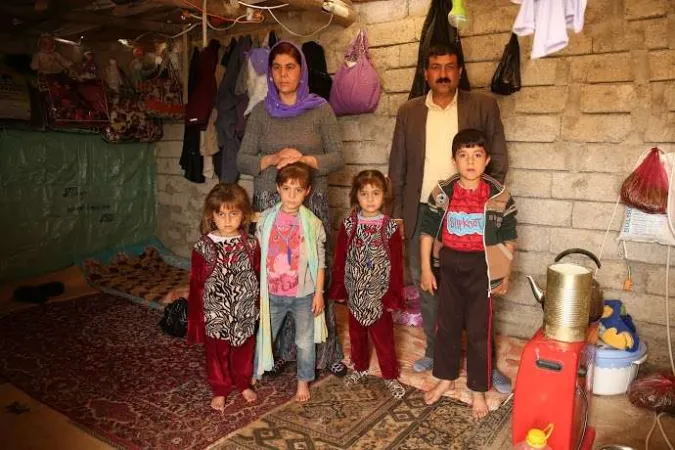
(443,80)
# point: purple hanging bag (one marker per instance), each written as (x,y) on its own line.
(356,86)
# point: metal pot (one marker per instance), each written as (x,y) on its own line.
(597,302)
(571,297)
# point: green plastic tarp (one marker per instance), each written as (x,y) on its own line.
(65,196)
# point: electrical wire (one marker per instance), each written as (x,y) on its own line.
(657,421)
(670,344)
(330,20)
(198,8)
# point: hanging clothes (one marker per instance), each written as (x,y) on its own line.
(549,21)
(230,108)
(202,98)
(256,67)
(320,82)
(437,31)
(191,160)
(272,39)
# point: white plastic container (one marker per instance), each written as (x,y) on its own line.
(614,370)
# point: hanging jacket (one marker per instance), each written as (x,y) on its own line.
(320,82)
(202,97)
(227,104)
(191,159)
(437,31)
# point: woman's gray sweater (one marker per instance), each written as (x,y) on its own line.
(315,132)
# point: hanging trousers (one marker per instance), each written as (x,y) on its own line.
(227,366)
(382,334)
(464,303)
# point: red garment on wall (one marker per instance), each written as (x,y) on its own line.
(203,97)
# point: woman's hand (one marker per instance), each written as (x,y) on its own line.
(269,161)
(288,160)
(318,303)
(289,152)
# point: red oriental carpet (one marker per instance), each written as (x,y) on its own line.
(104,363)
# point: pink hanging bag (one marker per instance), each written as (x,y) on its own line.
(356,86)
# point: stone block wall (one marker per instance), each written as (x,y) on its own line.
(575,130)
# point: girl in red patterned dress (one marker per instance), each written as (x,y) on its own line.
(368,273)
(224,293)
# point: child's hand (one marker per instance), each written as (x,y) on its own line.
(318,303)
(428,281)
(503,288)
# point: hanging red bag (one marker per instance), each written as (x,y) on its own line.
(647,187)
(356,86)
(163,95)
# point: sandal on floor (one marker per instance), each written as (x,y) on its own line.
(338,369)
(395,388)
(357,376)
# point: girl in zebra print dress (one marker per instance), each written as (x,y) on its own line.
(368,273)
(224,293)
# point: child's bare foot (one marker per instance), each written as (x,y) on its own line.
(218,403)
(302,395)
(249,395)
(480,406)
(434,394)
(253,381)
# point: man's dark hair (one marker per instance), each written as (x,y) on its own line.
(469,137)
(441,50)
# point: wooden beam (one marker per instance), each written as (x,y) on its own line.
(122,22)
(134,9)
(218,8)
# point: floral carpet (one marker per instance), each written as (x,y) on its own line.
(103,362)
(367,417)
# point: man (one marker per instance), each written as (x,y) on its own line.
(420,157)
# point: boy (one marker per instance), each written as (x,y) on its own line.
(292,269)
(474,218)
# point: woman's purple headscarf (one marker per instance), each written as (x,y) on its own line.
(304,102)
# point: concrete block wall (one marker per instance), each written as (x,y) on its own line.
(574,131)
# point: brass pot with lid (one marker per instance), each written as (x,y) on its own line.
(572,298)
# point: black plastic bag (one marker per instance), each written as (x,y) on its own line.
(174,322)
(506,79)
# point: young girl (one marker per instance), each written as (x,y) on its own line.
(224,288)
(292,275)
(368,272)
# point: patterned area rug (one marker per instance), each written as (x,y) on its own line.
(146,278)
(410,345)
(104,363)
(367,417)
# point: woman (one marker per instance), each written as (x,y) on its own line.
(293,125)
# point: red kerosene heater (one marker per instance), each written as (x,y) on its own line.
(554,383)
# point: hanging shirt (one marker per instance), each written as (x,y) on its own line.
(442,125)
(464,222)
(549,20)
(283,255)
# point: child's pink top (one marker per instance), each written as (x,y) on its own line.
(283,255)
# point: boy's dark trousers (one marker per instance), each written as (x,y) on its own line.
(464,303)
(228,367)
(382,334)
